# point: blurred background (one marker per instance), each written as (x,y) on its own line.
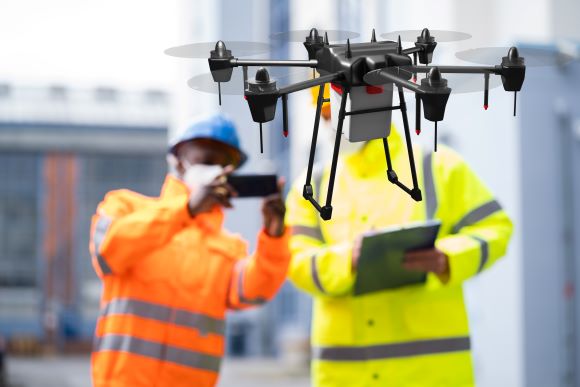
(88,100)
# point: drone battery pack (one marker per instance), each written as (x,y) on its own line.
(367,126)
(253,185)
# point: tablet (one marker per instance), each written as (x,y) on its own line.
(381,257)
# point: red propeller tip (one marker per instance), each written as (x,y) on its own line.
(285,133)
(418,131)
(485,107)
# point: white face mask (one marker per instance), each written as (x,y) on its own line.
(200,175)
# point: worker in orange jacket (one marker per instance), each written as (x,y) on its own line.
(170,270)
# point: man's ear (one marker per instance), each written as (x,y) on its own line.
(175,165)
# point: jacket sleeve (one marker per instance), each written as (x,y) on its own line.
(122,234)
(317,268)
(475,228)
(257,278)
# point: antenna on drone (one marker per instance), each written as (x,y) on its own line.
(486,91)
(262,141)
(415,64)
(220,49)
(373,37)
(417,114)
(436,136)
(348,51)
(399,46)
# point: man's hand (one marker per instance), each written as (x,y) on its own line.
(217,192)
(428,260)
(273,210)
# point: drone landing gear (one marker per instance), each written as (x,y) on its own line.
(414,192)
(326,210)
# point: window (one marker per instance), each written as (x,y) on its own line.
(19,174)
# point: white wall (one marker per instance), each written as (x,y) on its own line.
(87,43)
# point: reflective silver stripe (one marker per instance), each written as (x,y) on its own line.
(484,247)
(388,351)
(314,273)
(203,323)
(429,184)
(249,301)
(477,214)
(312,232)
(158,351)
(101,228)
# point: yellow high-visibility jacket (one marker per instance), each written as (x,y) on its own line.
(415,335)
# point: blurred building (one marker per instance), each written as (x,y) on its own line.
(61,150)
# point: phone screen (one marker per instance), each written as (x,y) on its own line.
(254,185)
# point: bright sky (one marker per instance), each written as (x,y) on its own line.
(88,42)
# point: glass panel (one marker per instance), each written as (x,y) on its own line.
(19,174)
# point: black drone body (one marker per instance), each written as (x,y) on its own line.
(350,68)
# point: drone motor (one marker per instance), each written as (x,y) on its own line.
(513,72)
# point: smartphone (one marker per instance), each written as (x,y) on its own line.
(254,185)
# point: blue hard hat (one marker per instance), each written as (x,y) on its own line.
(217,127)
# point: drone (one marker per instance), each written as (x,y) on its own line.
(363,77)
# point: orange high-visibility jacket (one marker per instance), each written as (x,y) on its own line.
(168,279)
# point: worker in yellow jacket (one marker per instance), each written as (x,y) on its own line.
(414,335)
(170,270)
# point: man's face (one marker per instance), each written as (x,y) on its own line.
(207,152)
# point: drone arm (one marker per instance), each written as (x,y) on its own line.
(388,77)
(412,50)
(457,69)
(310,83)
(234,62)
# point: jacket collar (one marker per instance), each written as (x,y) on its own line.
(211,221)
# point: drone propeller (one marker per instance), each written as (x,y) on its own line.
(534,57)
(301,35)
(202,50)
(440,36)
(206,84)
